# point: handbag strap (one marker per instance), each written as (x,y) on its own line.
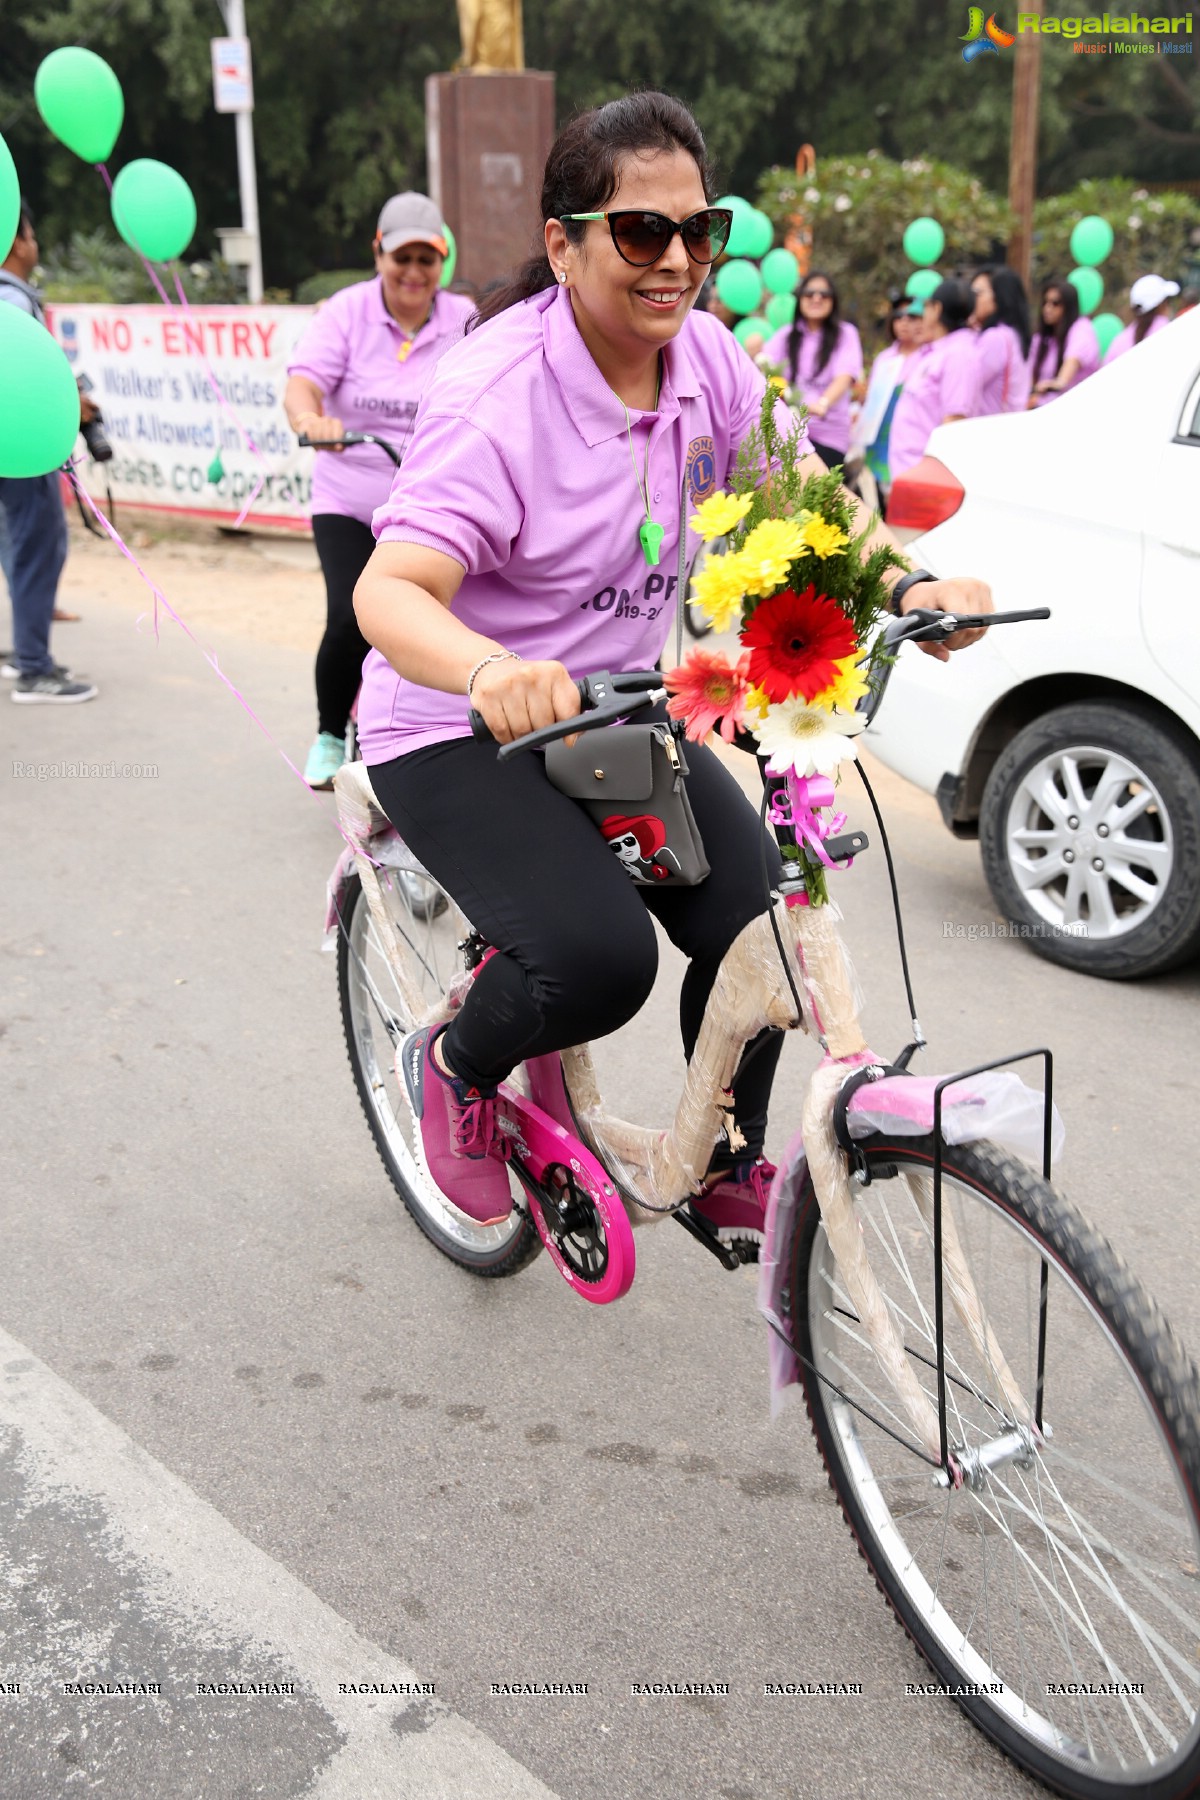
(681,581)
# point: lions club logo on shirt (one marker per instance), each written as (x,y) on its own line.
(701,468)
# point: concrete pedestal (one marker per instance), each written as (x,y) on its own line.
(486,138)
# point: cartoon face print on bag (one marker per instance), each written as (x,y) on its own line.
(640,843)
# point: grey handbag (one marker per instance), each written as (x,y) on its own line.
(630,778)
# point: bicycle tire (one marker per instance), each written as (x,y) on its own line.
(375,1020)
(1031,1599)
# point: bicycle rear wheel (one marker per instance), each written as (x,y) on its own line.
(376,1018)
(1060,1585)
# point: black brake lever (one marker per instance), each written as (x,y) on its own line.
(584,721)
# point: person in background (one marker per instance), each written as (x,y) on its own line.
(1001,325)
(942,381)
(362,365)
(37,527)
(1065,349)
(821,356)
(1148,299)
(872,428)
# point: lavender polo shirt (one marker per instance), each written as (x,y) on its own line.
(1124,339)
(354,351)
(520,470)
(1083,344)
(846,359)
(942,378)
(1003,371)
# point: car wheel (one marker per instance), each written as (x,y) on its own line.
(1090,832)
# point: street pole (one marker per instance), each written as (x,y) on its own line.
(234,14)
(1022,165)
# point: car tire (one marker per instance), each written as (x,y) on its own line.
(1107,797)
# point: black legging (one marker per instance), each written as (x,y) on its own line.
(344,547)
(578,955)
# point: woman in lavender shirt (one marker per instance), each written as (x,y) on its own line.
(591,404)
(1148,299)
(1065,349)
(821,355)
(942,383)
(1001,325)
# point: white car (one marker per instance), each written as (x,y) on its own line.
(1071,748)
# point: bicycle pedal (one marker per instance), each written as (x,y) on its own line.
(725,1254)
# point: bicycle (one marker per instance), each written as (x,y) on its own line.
(1010,1426)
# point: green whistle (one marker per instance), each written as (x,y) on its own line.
(650,534)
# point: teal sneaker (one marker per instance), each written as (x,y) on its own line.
(324,760)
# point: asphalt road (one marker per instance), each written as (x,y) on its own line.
(256,1435)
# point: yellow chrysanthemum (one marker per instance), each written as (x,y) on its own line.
(848,688)
(777,382)
(718,591)
(718,515)
(822,538)
(768,552)
(756,704)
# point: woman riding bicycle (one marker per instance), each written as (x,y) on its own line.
(516,553)
(365,357)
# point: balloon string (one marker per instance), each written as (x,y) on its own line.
(160,599)
(245,436)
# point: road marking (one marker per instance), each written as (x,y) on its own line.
(189,1564)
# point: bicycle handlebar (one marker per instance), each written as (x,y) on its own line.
(347,442)
(924,625)
(605,698)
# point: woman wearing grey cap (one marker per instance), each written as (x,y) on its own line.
(362,365)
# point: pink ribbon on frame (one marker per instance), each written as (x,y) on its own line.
(798,808)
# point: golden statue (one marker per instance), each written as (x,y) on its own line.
(492,36)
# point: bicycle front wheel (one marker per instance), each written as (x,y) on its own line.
(377,1017)
(1056,1593)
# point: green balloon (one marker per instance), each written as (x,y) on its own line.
(924,241)
(752,233)
(1089,285)
(1091,240)
(921,283)
(39,402)
(10,199)
(1107,326)
(781,310)
(780,272)
(739,285)
(754,326)
(451,262)
(81,101)
(216,469)
(153,209)
(734,203)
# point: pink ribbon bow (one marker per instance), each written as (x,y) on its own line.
(797,807)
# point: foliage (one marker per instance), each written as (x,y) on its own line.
(330,281)
(96,266)
(1152,231)
(858,208)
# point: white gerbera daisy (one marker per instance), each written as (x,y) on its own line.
(812,740)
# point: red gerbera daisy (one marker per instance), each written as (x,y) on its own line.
(794,642)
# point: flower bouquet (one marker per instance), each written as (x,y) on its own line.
(805,603)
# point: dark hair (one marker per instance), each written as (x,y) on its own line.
(584,168)
(1012,306)
(1056,335)
(829,327)
(24,227)
(956,301)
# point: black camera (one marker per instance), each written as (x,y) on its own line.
(92,430)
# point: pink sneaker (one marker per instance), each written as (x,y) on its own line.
(736,1205)
(456,1130)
